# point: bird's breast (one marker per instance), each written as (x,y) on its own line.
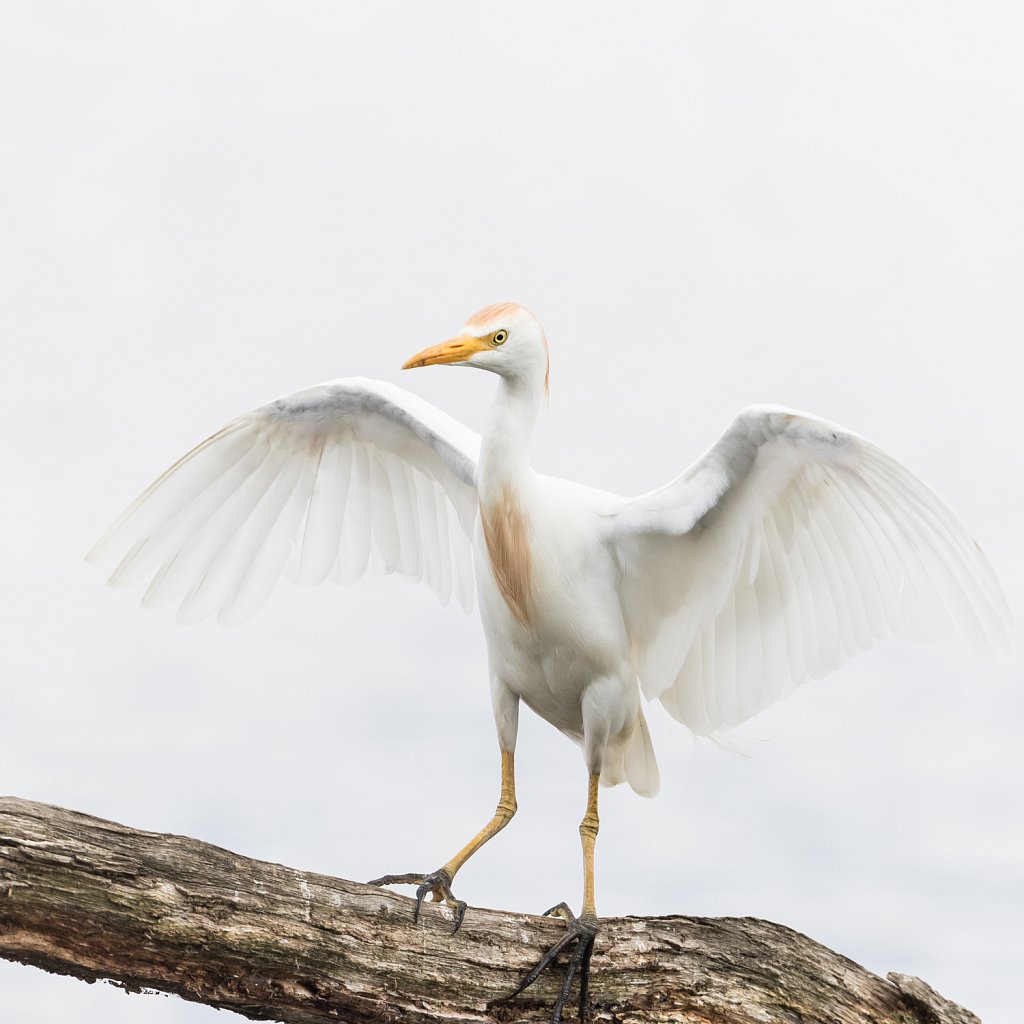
(506,530)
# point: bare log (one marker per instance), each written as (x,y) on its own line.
(95,899)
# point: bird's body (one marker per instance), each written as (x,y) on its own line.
(787,547)
(563,652)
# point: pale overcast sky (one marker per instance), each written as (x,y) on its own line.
(708,204)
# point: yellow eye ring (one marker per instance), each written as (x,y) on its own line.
(500,337)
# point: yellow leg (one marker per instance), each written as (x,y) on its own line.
(439,882)
(502,816)
(588,835)
(580,931)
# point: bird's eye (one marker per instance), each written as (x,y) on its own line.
(500,337)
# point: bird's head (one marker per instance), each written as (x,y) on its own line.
(504,338)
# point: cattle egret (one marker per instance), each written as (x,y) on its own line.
(789,546)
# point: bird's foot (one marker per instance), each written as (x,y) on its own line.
(438,883)
(580,930)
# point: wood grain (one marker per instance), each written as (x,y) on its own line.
(95,899)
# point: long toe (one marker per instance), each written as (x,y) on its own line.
(580,935)
(438,884)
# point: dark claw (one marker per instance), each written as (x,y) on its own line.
(560,910)
(580,930)
(459,910)
(437,882)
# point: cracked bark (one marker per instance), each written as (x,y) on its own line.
(95,899)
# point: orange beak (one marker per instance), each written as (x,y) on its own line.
(457,350)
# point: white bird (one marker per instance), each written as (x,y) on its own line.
(789,546)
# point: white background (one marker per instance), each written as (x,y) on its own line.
(708,204)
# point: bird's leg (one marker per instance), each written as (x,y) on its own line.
(439,882)
(580,930)
(588,835)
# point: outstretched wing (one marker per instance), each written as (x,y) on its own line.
(789,546)
(327,481)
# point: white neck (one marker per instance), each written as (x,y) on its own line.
(504,452)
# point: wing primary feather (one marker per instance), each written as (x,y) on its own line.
(844,544)
(228,569)
(820,603)
(706,688)
(193,557)
(386,538)
(750,665)
(354,552)
(886,565)
(951,579)
(318,550)
(830,591)
(178,485)
(771,618)
(804,595)
(753,555)
(236,547)
(405,518)
(444,589)
(429,537)
(462,549)
(915,584)
(255,587)
(724,695)
(166,528)
(842,582)
(947,530)
(790,600)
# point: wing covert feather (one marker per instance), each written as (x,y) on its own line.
(321,483)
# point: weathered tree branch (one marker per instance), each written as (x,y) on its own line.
(94,899)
